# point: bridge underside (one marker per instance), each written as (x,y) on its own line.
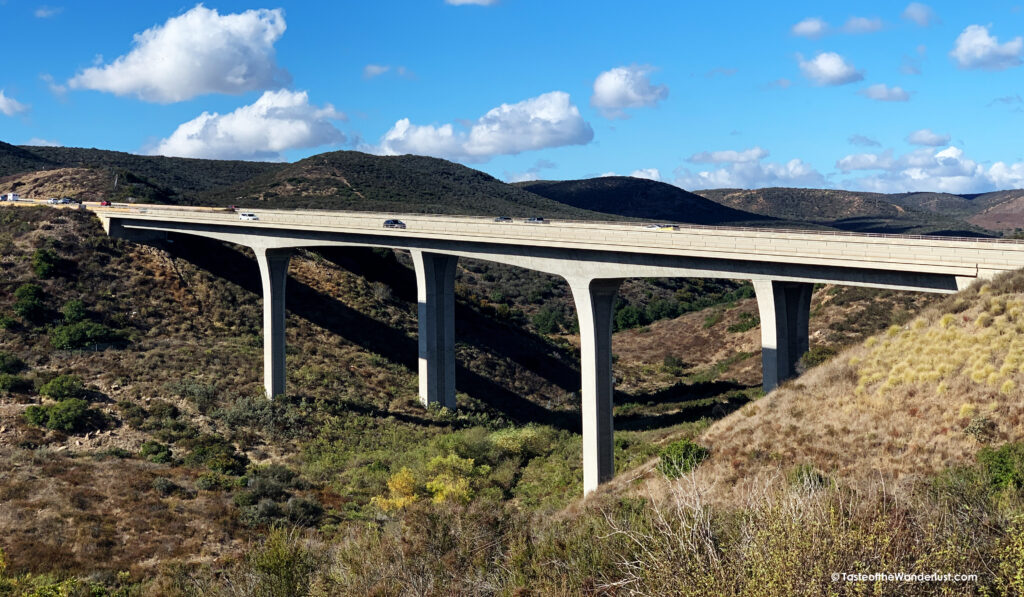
(783,297)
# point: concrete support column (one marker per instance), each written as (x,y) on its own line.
(274,272)
(435,298)
(595,300)
(785,308)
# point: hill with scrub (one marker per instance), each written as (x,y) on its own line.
(138,455)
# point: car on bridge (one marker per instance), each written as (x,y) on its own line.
(535,220)
(661,227)
(502,219)
(104,204)
(394,224)
(53,201)
(248,217)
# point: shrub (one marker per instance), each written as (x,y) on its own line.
(1004,465)
(216,454)
(806,476)
(63,387)
(10,363)
(680,457)
(214,482)
(44,262)
(69,415)
(303,511)
(747,321)
(629,317)
(7,322)
(156,452)
(13,383)
(28,302)
(80,335)
(243,499)
(164,486)
(73,311)
(816,356)
(548,321)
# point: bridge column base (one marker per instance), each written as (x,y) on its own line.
(785,308)
(435,298)
(274,273)
(595,300)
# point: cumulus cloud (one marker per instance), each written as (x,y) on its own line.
(829,68)
(37,142)
(922,14)
(198,52)
(646,173)
(10,106)
(930,169)
(625,87)
(728,156)
(856,25)
(548,120)
(884,93)
(375,70)
(45,12)
(865,161)
(277,121)
(746,170)
(476,2)
(811,27)
(927,138)
(863,141)
(975,48)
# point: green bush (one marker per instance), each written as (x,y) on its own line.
(73,311)
(303,511)
(10,363)
(805,475)
(1004,465)
(80,335)
(44,262)
(680,457)
(816,356)
(548,321)
(69,415)
(28,302)
(747,321)
(7,322)
(13,383)
(156,452)
(63,387)
(216,454)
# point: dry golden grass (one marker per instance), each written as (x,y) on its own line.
(907,402)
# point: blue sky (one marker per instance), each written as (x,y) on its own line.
(870,95)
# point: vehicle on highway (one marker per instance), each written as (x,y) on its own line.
(661,227)
(53,201)
(10,197)
(394,224)
(535,220)
(502,219)
(248,216)
(66,201)
(104,204)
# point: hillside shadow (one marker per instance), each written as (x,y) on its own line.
(701,404)
(521,347)
(362,330)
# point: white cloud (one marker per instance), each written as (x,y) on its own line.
(829,68)
(45,12)
(746,170)
(606,175)
(277,121)
(932,169)
(375,70)
(922,14)
(196,53)
(883,93)
(811,27)
(37,142)
(54,87)
(975,48)
(856,25)
(865,161)
(728,156)
(476,2)
(548,120)
(927,137)
(646,173)
(532,173)
(10,106)
(625,87)
(863,141)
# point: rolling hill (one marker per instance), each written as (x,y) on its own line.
(641,198)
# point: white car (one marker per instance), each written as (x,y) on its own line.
(248,216)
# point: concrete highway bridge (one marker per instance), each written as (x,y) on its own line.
(594,258)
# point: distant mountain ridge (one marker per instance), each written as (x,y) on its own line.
(641,198)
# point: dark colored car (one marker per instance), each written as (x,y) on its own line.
(502,219)
(394,224)
(104,204)
(535,221)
